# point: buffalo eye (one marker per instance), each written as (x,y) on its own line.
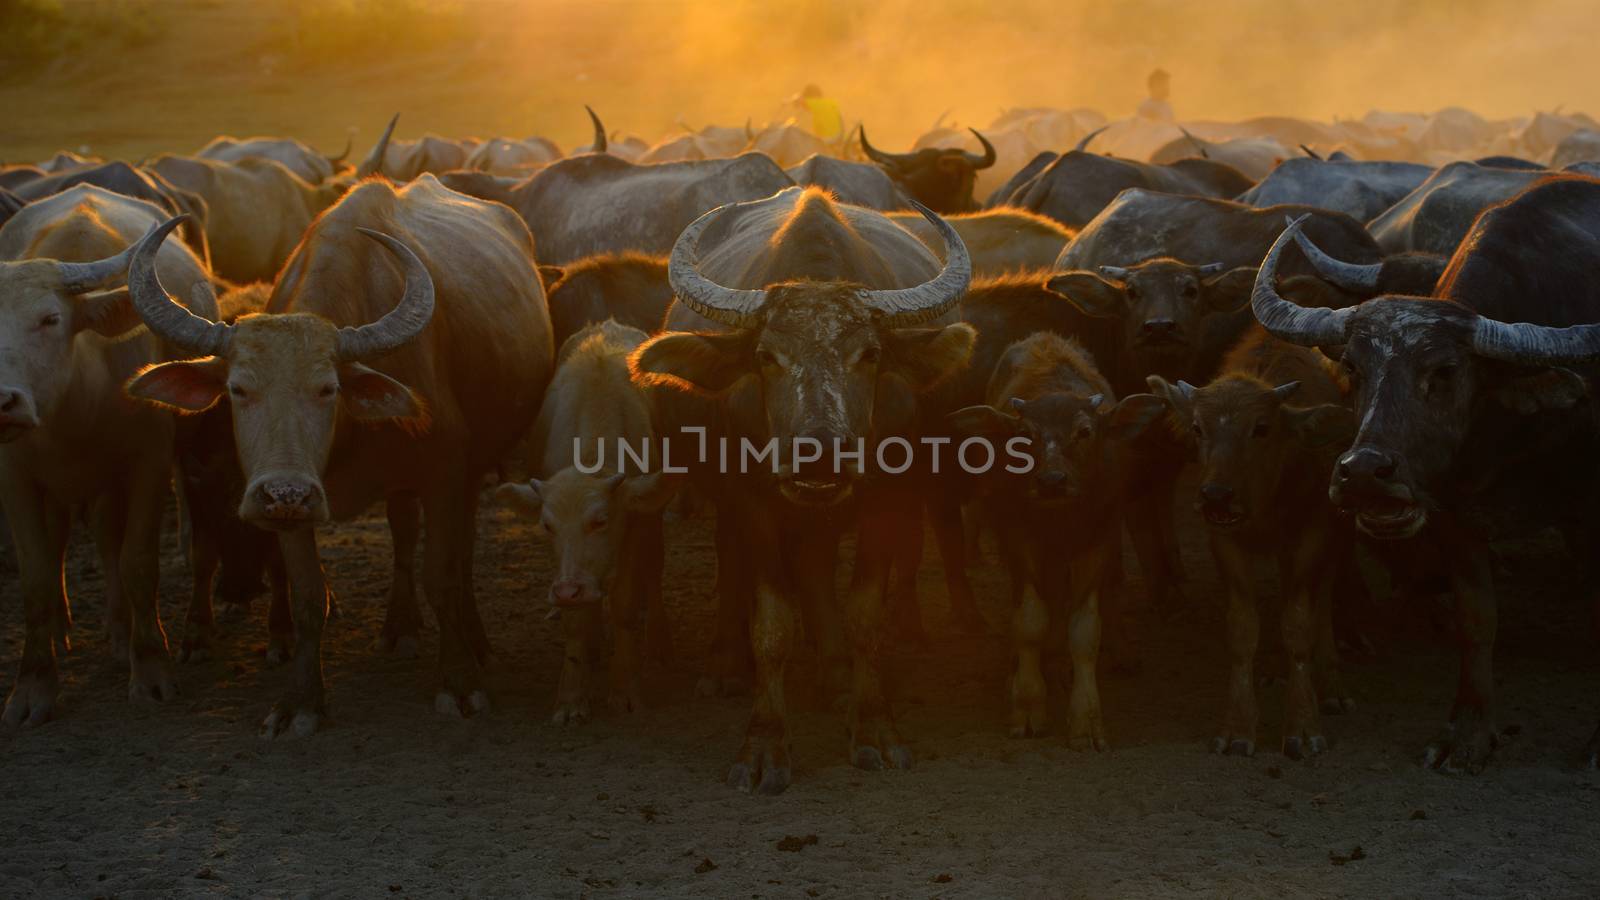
(1190,291)
(1132,292)
(766,358)
(50,320)
(1444,374)
(869,356)
(1198,431)
(1084,432)
(596,523)
(327,390)
(237,392)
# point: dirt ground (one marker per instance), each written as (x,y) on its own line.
(392,799)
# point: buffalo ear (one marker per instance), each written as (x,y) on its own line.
(371,395)
(1179,396)
(110,313)
(982,421)
(190,386)
(1091,294)
(1230,290)
(1134,414)
(648,493)
(709,363)
(1320,426)
(521,496)
(1553,388)
(926,356)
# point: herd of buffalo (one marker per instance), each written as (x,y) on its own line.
(1374,342)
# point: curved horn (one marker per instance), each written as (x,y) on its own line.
(164,316)
(81,278)
(878,156)
(1360,279)
(1535,345)
(336,160)
(729,306)
(1310,152)
(1198,144)
(373,164)
(932,299)
(1119,273)
(939,122)
(400,325)
(988,157)
(599,145)
(1295,324)
(1083,143)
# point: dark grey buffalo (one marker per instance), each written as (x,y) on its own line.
(1358,189)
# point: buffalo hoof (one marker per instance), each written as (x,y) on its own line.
(32,700)
(280,649)
(871,759)
(1461,750)
(571,712)
(1028,717)
(289,719)
(1088,733)
(196,646)
(1302,746)
(762,768)
(461,706)
(1337,706)
(625,699)
(151,678)
(1224,745)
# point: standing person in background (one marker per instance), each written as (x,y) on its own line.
(1155,107)
(821,114)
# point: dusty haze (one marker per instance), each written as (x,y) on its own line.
(168,75)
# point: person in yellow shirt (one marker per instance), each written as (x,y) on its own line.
(825,120)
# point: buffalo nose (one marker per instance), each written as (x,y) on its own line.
(286,499)
(1215,494)
(1366,462)
(1159,328)
(567,592)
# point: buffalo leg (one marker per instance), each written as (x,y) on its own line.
(150,674)
(1146,530)
(731,664)
(1087,726)
(627,609)
(280,618)
(205,555)
(763,762)
(874,741)
(649,562)
(1030,624)
(1468,741)
(1331,694)
(906,537)
(447,530)
(107,518)
(401,620)
(953,556)
(305,703)
(1241,716)
(472,621)
(578,628)
(39,534)
(1300,575)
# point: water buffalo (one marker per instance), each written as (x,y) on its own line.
(858,184)
(321,435)
(305,162)
(593,204)
(631,288)
(1435,216)
(257,210)
(826,351)
(129,181)
(1076,186)
(1361,190)
(940,179)
(999,240)
(600,510)
(402,161)
(1057,513)
(1466,401)
(70,438)
(1264,431)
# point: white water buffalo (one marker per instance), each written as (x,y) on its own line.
(70,438)
(459,365)
(293,155)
